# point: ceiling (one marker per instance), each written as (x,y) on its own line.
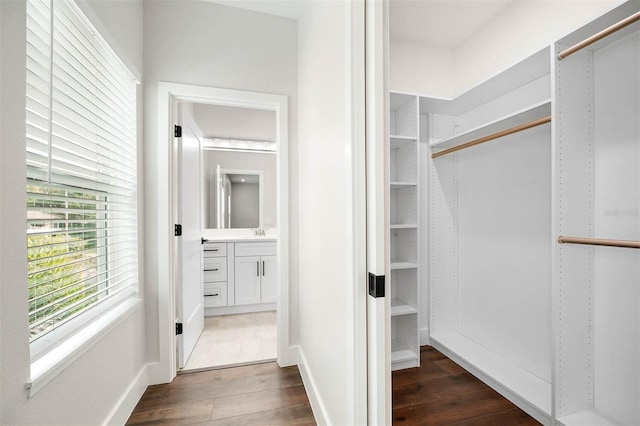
(438,23)
(441,23)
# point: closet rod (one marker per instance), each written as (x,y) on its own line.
(599,242)
(493,136)
(599,36)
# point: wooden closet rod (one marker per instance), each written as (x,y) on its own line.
(599,242)
(599,36)
(493,136)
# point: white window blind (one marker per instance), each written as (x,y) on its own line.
(81,170)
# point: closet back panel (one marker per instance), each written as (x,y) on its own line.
(504,246)
(617,215)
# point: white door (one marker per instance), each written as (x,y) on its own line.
(190,292)
(247,280)
(378,308)
(269,285)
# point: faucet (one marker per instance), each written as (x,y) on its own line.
(259,232)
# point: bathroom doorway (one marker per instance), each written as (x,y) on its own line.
(272,249)
(238,205)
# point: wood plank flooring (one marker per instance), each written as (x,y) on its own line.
(261,394)
(439,392)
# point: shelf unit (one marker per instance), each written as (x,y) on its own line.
(403,230)
(490,240)
(596,297)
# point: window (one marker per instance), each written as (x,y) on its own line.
(81,173)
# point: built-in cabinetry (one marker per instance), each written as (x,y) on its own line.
(215,275)
(403,230)
(239,276)
(255,273)
(532,203)
(596,289)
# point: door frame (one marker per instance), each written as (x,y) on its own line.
(168,94)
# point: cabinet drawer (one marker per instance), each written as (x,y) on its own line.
(214,249)
(215,269)
(215,294)
(256,249)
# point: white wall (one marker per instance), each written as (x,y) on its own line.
(522,29)
(87,391)
(202,43)
(235,123)
(326,200)
(243,161)
(420,69)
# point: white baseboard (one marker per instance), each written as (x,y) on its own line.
(424,337)
(239,309)
(288,356)
(318,408)
(123,409)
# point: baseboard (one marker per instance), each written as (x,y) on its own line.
(424,337)
(239,309)
(318,408)
(123,409)
(288,356)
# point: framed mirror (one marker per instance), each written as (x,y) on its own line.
(237,198)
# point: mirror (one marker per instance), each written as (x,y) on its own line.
(237,199)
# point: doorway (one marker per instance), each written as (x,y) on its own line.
(169,95)
(237,203)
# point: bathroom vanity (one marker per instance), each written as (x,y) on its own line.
(239,275)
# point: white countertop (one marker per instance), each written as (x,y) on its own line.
(240,239)
(238,235)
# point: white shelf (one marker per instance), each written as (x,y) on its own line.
(585,418)
(395,185)
(400,138)
(403,265)
(398,307)
(403,355)
(512,381)
(534,112)
(404,226)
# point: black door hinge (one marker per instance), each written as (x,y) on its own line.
(178,328)
(177,230)
(177,131)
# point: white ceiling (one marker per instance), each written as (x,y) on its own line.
(441,23)
(438,23)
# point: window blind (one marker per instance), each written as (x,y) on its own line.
(81,168)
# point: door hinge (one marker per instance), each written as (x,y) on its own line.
(177,230)
(376,285)
(178,328)
(177,131)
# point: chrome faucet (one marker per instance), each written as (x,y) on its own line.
(259,232)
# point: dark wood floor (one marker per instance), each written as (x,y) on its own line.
(439,392)
(261,394)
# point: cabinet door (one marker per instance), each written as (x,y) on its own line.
(269,279)
(247,280)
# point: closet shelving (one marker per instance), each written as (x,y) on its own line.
(403,230)
(490,240)
(537,112)
(596,291)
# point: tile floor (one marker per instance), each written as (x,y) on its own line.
(235,340)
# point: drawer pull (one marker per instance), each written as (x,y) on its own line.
(212,295)
(263,268)
(203,240)
(211,249)
(211,270)
(258,268)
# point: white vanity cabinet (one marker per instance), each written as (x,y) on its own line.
(255,273)
(239,276)
(215,274)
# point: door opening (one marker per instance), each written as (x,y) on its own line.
(267,242)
